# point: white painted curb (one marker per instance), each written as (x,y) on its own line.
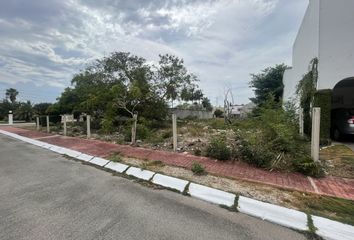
(273,213)
(332,230)
(84,157)
(71,153)
(57,149)
(140,173)
(328,229)
(115,166)
(211,195)
(99,161)
(170,182)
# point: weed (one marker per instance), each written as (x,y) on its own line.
(198,169)
(218,149)
(115,158)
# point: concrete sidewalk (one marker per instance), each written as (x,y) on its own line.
(331,186)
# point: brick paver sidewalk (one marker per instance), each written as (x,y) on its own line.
(331,186)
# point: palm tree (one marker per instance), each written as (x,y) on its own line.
(11,94)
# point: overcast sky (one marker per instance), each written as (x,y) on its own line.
(45,42)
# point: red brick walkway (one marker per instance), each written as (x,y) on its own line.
(331,186)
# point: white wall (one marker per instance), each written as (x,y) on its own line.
(305,49)
(336,59)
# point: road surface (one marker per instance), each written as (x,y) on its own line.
(46,196)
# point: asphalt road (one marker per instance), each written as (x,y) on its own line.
(46,196)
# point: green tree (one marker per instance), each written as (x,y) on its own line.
(24,111)
(41,108)
(172,78)
(269,81)
(206,104)
(11,94)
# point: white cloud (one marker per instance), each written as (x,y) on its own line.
(223,41)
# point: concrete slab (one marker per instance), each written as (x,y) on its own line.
(211,195)
(115,166)
(273,213)
(99,161)
(140,173)
(332,230)
(71,153)
(57,149)
(84,157)
(170,182)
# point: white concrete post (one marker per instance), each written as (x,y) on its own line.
(301,122)
(37,123)
(64,123)
(11,118)
(315,136)
(88,125)
(174,131)
(48,129)
(135,119)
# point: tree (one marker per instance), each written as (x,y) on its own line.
(41,108)
(11,94)
(269,81)
(24,111)
(171,78)
(206,104)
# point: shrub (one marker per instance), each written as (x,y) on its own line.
(308,167)
(107,125)
(218,149)
(198,169)
(271,140)
(142,132)
(218,113)
(197,152)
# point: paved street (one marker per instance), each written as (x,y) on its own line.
(45,196)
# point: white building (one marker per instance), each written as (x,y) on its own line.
(326,33)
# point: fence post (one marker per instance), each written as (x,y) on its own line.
(11,118)
(174,131)
(88,125)
(48,129)
(301,122)
(315,136)
(64,123)
(135,119)
(37,123)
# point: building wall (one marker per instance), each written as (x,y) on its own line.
(306,48)
(185,113)
(336,58)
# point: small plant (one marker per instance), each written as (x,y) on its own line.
(115,158)
(310,168)
(197,152)
(218,149)
(147,164)
(198,169)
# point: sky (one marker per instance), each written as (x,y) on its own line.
(43,43)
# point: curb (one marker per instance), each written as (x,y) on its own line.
(325,228)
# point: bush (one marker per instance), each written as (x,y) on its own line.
(197,152)
(107,125)
(271,140)
(142,132)
(198,169)
(218,149)
(218,113)
(308,167)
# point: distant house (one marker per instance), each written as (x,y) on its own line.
(241,111)
(326,34)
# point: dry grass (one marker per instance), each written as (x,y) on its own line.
(339,160)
